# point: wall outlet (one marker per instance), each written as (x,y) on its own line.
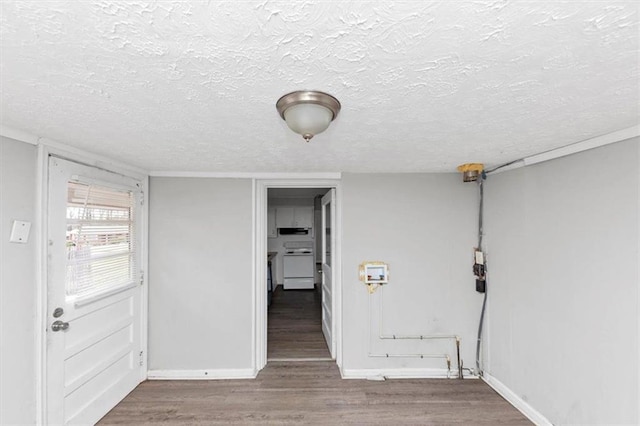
(20,232)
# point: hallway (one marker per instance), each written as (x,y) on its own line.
(294,329)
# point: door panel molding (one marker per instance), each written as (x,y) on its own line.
(328,219)
(45,151)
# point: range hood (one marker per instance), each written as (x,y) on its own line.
(293,231)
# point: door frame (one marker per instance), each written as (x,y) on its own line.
(259,308)
(46,149)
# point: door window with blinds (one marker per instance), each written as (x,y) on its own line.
(100,239)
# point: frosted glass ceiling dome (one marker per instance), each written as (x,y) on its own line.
(308,112)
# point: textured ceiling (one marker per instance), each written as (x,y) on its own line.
(424,86)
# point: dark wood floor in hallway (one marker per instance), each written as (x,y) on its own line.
(294,329)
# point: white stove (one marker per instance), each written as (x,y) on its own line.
(298,251)
(298,265)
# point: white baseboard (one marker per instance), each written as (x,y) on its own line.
(397,373)
(215,374)
(522,406)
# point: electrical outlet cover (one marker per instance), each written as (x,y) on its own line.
(20,231)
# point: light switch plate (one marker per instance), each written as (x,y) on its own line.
(20,231)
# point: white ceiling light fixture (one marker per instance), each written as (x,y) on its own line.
(308,112)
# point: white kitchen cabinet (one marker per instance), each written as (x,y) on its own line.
(294,217)
(303,217)
(284,217)
(272,230)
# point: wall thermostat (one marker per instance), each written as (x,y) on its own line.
(374,273)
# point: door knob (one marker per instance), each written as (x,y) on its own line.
(59,325)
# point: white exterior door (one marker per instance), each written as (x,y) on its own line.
(328,250)
(94,356)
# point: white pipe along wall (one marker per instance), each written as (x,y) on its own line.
(420,355)
(397,336)
(422,228)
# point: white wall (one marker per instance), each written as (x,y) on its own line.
(563,337)
(200,274)
(424,227)
(18,165)
(562,241)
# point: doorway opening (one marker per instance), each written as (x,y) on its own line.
(294,276)
(297,274)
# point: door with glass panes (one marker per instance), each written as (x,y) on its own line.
(94,287)
(328,236)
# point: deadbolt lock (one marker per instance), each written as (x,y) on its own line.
(57,313)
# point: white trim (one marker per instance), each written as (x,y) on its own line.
(92,298)
(213,374)
(336,293)
(258,247)
(246,175)
(144,293)
(327,359)
(18,135)
(259,332)
(74,154)
(520,404)
(260,262)
(41,284)
(92,160)
(45,150)
(399,373)
(134,185)
(598,141)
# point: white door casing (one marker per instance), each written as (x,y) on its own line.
(97,360)
(328,255)
(260,192)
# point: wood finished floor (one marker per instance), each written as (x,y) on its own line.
(294,325)
(310,393)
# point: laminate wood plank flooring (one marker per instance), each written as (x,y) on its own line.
(294,325)
(312,393)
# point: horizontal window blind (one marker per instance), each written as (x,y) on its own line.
(101,252)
